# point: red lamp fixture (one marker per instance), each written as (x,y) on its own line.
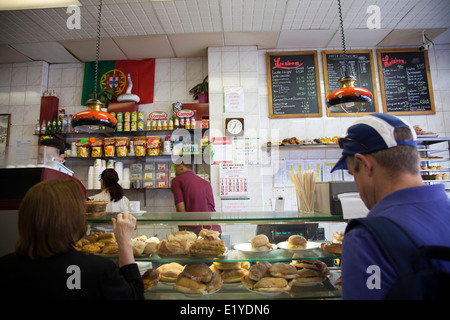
(94,119)
(348,98)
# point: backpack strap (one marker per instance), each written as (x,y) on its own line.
(398,248)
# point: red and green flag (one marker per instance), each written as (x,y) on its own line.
(114,74)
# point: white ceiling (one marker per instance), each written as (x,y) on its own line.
(139,29)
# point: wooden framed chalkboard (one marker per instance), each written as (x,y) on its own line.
(293,82)
(361,66)
(405,81)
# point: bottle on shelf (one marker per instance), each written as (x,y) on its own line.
(54,124)
(43,127)
(48,128)
(37,128)
(69,124)
(176,123)
(171,124)
(64,124)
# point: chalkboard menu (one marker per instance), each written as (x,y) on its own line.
(405,81)
(361,66)
(293,82)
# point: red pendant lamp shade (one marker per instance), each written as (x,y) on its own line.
(349,98)
(93,119)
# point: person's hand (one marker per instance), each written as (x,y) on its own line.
(123,226)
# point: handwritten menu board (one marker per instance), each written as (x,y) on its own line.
(361,66)
(405,81)
(293,82)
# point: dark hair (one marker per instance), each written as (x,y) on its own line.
(52,217)
(110,181)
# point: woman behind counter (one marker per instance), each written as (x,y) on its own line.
(46,265)
(111,192)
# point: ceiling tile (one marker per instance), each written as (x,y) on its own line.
(10,55)
(359,37)
(84,50)
(304,38)
(194,45)
(263,40)
(155,46)
(52,52)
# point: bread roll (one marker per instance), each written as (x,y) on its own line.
(187,285)
(234,275)
(167,248)
(316,265)
(307,276)
(260,242)
(91,248)
(108,235)
(110,249)
(184,238)
(332,247)
(206,234)
(215,283)
(197,272)
(150,278)
(259,270)
(170,271)
(283,270)
(138,247)
(227,265)
(296,242)
(207,248)
(247,282)
(269,284)
(151,245)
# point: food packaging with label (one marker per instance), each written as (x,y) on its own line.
(153,146)
(109,147)
(122,146)
(140,146)
(83,148)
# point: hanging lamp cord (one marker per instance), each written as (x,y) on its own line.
(97,48)
(341,20)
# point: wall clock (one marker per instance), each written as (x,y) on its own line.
(234,126)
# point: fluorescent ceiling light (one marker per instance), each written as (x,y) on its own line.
(36,4)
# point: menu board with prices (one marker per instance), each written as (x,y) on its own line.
(293,82)
(405,81)
(361,66)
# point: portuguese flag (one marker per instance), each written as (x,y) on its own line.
(114,74)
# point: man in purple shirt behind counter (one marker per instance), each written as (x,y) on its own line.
(192,194)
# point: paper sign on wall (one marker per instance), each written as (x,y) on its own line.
(233,99)
(222,150)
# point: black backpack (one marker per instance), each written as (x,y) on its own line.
(418,278)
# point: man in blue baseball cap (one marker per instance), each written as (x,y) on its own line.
(380,152)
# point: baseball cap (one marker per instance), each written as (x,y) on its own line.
(372,133)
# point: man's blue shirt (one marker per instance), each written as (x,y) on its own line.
(423,212)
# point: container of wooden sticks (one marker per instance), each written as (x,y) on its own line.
(305,184)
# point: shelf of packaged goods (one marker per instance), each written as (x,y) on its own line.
(235,291)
